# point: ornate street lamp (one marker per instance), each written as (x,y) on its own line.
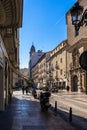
(79,18)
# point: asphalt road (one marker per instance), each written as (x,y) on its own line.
(79,108)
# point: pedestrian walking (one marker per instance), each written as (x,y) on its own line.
(23,89)
(9,95)
(67,88)
(26,89)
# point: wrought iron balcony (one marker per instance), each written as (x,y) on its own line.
(52,68)
(56,77)
(57,66)
(50,75)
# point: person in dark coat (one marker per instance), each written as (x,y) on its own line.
(26,89)
(23,89)
(68,88)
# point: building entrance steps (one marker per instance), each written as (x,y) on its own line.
(24,114)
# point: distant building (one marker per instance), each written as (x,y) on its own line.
(34,57)
(23,77)
(24,71)
(39,71)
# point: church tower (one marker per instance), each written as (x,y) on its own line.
(34,57)
(32,50)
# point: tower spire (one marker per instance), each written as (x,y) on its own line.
(32,50)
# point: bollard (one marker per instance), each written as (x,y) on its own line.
(70,115)
(55,106)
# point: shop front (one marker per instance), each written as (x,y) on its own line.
(3,76)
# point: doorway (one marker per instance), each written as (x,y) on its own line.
(75,83)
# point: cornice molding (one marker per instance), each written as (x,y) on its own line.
(11,13)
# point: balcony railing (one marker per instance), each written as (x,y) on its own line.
(49,71)
(52,68)
(56,77)
(50,75)
(57,66)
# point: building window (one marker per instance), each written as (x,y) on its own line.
(61,60)
(57,74)
(61,72)
(56,63)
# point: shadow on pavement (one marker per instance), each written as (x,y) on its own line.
(24,113)
(76,121)
(15,111)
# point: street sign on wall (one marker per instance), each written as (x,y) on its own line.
(83,60)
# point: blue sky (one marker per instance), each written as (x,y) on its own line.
(44,24)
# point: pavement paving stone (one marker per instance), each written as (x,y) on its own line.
(24,114)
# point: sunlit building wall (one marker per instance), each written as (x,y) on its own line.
(78,44)
(59,64)
(40,72)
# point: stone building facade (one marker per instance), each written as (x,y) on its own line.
(59,65)
(52,68)
(39,71)
(63,68)
(10,22)
(78,44)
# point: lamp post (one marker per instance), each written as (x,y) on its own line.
(79,18)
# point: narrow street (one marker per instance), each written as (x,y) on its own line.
(76,101)
(24,114)
(43,45)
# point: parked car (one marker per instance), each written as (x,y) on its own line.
(54,89)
